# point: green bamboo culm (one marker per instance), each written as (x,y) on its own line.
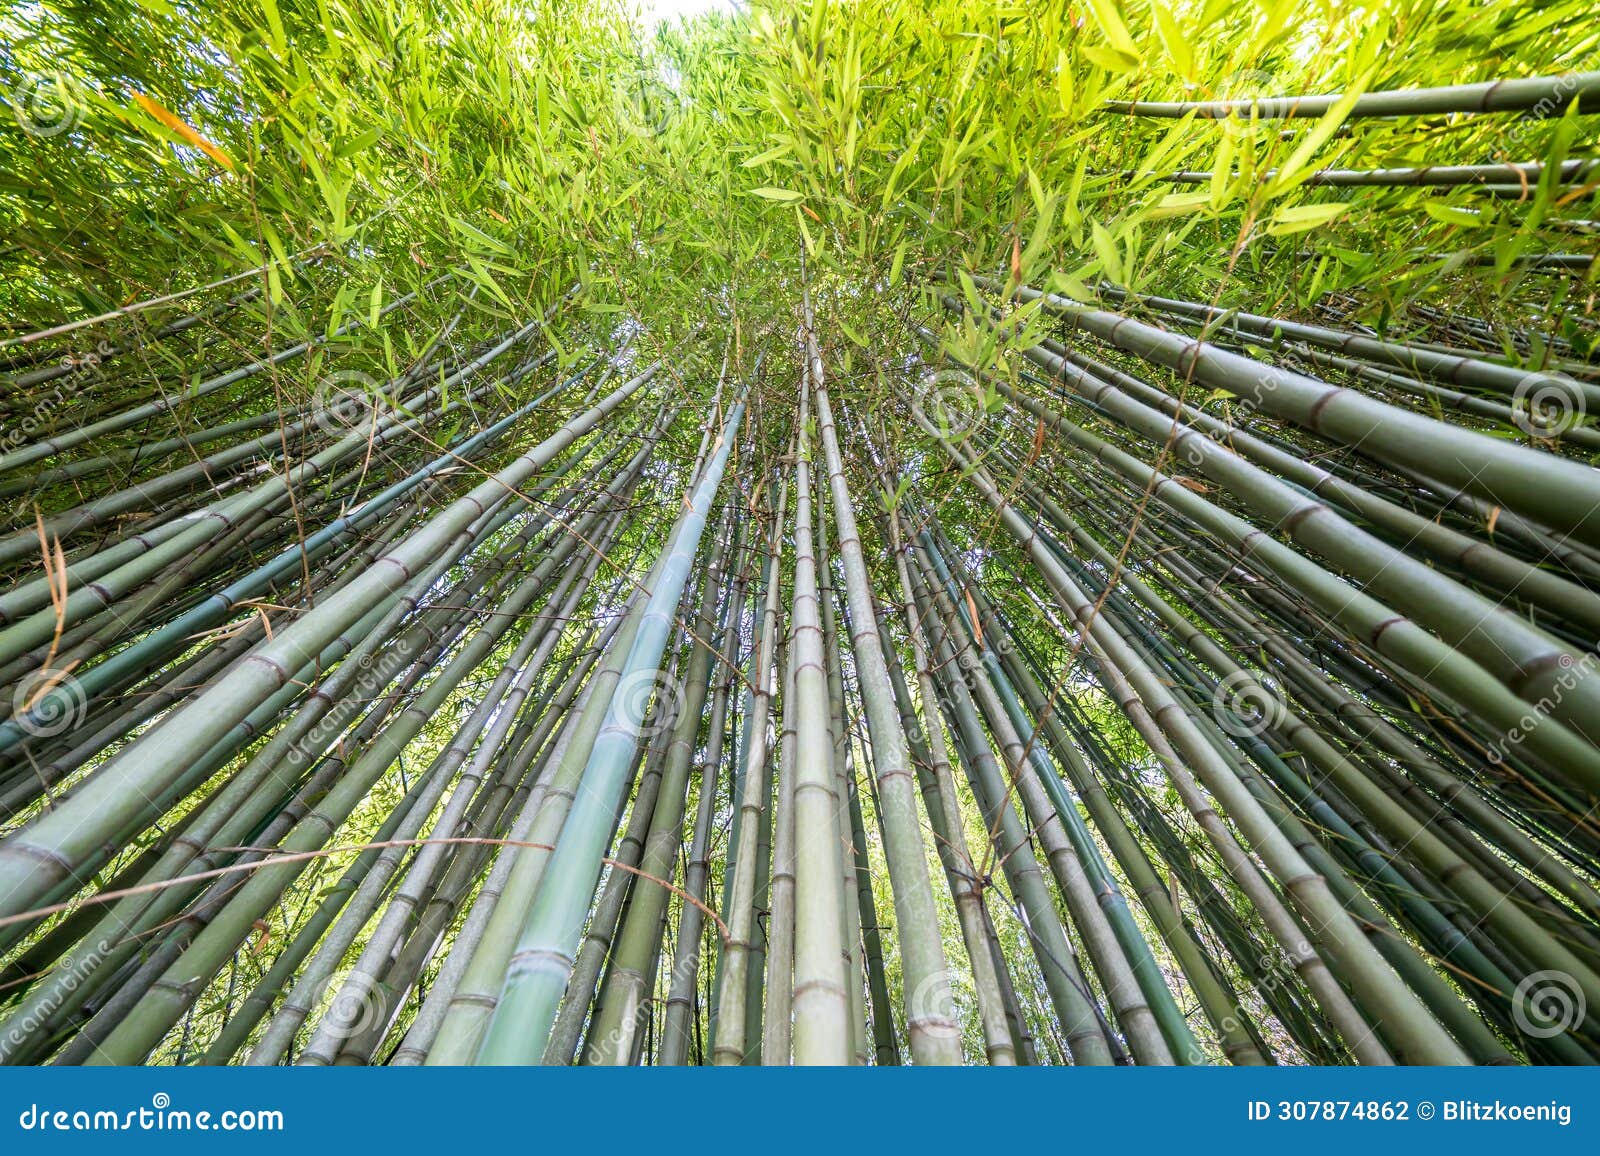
(536,975)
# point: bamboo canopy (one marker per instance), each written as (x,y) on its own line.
(815,534)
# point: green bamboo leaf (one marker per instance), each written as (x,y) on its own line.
(781,196)
(1105,247)
(1110,59)
(1295,171)
(767,157)
(1109,16)
(1455,215)
(897,266)
(358,144)
(1300,218)
(1172,39)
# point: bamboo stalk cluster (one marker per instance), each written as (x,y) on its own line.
(1168,684)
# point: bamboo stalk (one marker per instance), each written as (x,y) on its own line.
(1551,94)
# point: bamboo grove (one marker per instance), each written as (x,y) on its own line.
(1022,533)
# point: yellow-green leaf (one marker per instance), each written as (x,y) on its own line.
(1109,17)
(1300,218)
(782,196)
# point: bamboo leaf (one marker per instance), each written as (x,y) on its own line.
(781,196)
(173,122)
(1108,16)
(1300,218)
